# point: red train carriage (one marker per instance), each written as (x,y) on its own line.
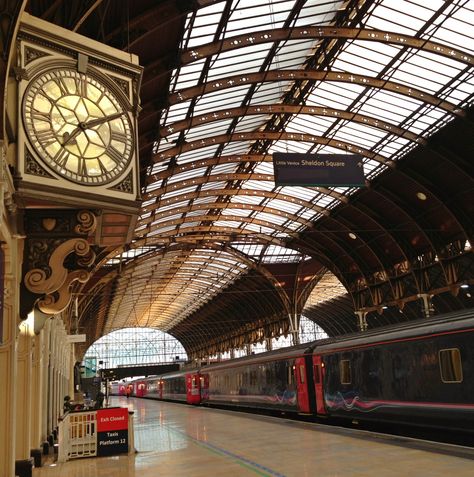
(193,387)
(181,386)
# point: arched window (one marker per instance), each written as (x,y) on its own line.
(133,346)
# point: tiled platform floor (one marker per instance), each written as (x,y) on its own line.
(175,440)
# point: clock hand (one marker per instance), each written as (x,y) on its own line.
(87,125)
(68,137)
(98,121)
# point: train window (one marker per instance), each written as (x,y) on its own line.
(450,365)
(317,374)
(345,371)
(291,370)
(302,371)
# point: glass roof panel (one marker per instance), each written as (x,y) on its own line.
(225,168)
(186,175)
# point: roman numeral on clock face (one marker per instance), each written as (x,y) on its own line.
(82,171)
(61,157)
(118,136)
(115,155)
(39,116)
(46,137)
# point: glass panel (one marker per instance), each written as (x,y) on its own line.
(345,371)
(450,365)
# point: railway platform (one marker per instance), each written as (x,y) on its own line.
(177,440)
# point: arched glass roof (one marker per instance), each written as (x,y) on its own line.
(221,256)
(374,78)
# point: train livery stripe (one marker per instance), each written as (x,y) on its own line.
(356,403)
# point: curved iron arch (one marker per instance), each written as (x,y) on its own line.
(322,32)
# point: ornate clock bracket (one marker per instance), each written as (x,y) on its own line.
(57,254)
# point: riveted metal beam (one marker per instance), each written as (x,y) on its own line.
(305,75)
(269,136)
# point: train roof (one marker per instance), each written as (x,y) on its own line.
(421,327)
(281,353)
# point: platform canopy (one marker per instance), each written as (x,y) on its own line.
(221,256)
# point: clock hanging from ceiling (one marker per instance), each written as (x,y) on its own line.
(77,123)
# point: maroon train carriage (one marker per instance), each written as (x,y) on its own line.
(421,373)
(276,381)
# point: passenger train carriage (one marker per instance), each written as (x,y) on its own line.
(421,372)
(273,381)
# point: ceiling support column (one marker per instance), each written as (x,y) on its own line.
(294,319)
(428,308)
(268,344)
(362,321)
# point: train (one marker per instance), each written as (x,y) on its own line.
(420,373)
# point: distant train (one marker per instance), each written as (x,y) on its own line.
(418,373)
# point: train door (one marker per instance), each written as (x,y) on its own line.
(193,388)
(301,385)
(318,373)
(141,389)
(204,378)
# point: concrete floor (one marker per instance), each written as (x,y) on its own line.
(175,440)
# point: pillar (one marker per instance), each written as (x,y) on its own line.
(37,392)
(10,273)
(23,390)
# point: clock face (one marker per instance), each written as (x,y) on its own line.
(78,126)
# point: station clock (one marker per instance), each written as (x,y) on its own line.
(78,102)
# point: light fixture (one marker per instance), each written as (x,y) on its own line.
(464,285)
(421,195)
(352,235)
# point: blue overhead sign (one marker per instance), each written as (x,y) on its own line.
(343,170)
